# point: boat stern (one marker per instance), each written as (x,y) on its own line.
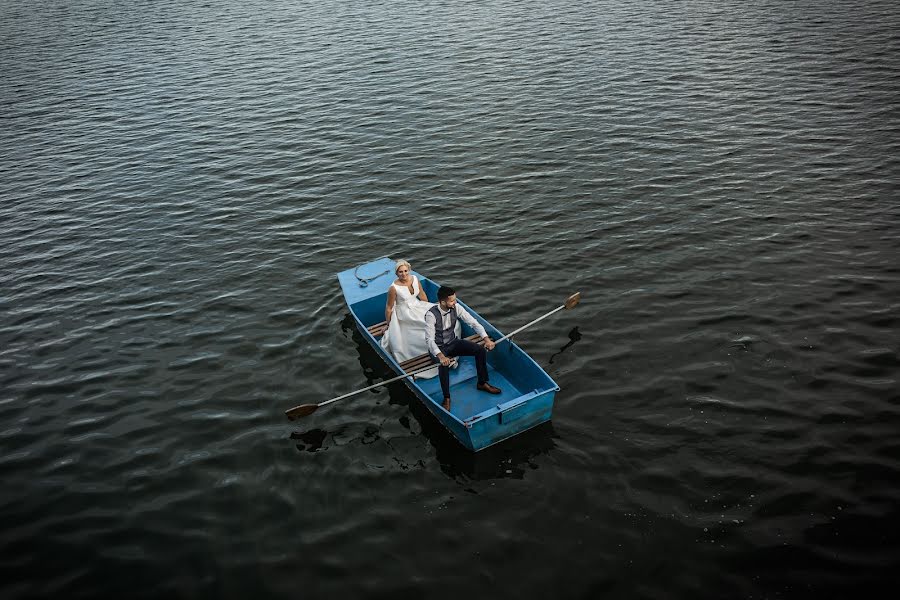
(509,418)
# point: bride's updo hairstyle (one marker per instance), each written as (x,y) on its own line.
(400,263)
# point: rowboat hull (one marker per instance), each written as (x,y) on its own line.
(476,419)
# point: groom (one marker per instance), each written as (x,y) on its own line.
(440,337)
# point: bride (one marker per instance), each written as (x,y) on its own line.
(405,312)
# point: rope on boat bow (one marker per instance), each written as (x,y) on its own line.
(364,281)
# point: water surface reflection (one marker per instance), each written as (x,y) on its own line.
(512,458)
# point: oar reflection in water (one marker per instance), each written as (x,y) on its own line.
(574,336)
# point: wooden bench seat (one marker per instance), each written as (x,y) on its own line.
(423,360)
(377,330)
(418,362)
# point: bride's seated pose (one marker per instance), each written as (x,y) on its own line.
(405,312)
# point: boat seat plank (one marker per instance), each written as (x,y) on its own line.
(423,360)
(377,330)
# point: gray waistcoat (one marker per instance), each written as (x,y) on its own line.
(442,337)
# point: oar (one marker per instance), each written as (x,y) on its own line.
(571,302)
(308,409)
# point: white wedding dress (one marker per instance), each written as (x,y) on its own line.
(405,335)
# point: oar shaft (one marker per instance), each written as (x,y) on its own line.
(380,383)
(523,327)
(306,409)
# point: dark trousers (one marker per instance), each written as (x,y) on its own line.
(459,347)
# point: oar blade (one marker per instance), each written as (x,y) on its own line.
(573,300)
(300,411)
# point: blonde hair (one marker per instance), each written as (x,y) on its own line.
(400,263)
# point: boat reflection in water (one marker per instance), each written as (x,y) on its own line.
(513,457)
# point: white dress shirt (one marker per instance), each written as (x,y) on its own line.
(461,314)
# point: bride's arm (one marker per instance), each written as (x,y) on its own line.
(389,309)
(422,295)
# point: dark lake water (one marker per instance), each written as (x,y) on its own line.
(181,181)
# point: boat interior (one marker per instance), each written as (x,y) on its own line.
(509,368)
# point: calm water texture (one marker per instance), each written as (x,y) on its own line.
(180,181)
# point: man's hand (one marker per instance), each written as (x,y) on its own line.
(444,360)
(488,343)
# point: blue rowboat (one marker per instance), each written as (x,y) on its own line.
(475,418)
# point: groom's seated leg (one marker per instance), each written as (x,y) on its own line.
(467,348)
(444,376)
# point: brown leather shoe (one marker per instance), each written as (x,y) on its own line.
(446,403)
(486,387)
